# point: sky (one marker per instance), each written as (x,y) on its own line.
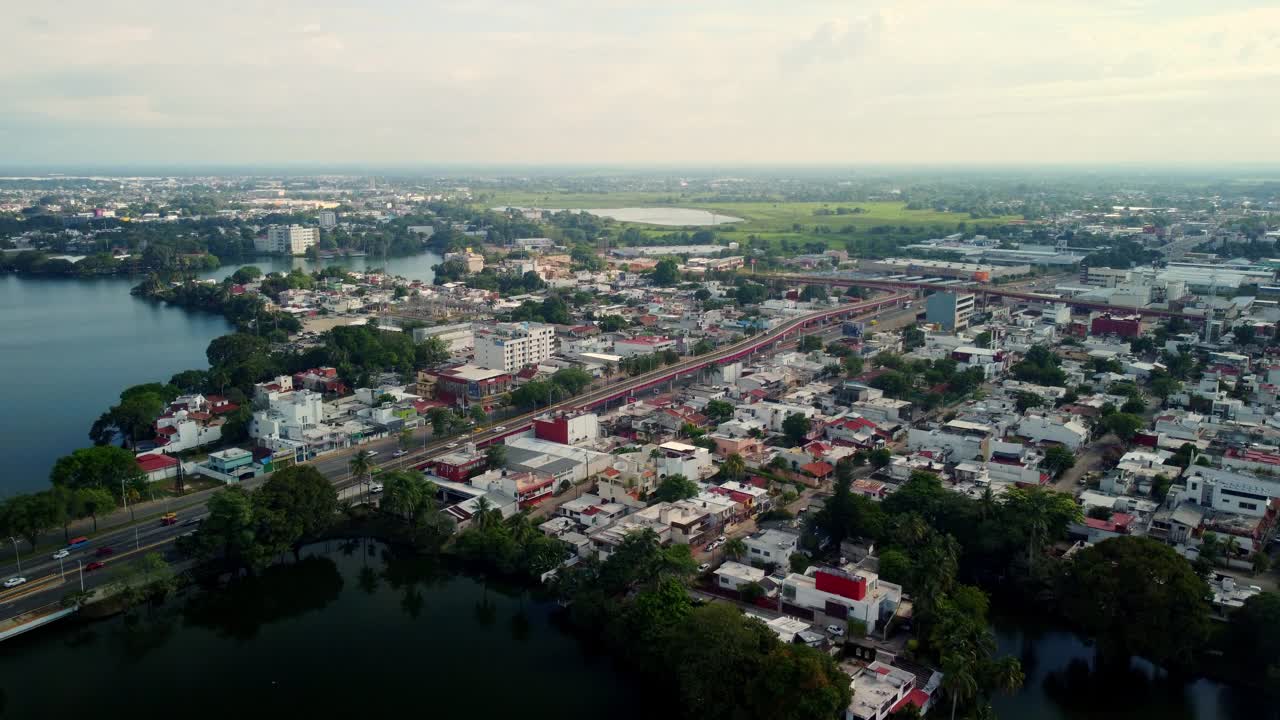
(643,82)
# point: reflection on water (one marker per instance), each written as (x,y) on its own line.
(352,627)
(1065,681)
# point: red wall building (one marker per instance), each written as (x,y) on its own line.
(1128,326)
(842,584)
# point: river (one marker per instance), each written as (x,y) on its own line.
(69,346)
(352,630)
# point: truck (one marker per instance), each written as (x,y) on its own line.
(169,519)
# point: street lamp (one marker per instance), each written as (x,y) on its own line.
(81,567)
(15,553)
(61,572)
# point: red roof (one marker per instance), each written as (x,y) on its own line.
(1254,456)
(152,462)
(167,430)
(916,697)
(818,469)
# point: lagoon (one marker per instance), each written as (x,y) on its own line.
(68,346)
(668,216)
(354,629)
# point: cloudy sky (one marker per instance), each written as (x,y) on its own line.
(640,82)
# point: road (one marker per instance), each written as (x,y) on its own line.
(45,576)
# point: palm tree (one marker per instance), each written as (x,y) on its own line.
(1005,675)
(734,466)
(482,514)
(361,465)
(735,548)
(958,678)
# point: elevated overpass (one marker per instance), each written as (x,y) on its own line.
(977,289)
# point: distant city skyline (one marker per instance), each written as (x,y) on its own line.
(641,83)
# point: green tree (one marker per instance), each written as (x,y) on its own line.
(97,467)
(734,467)
(719,410)
(880,457)
(796,427)
(810,343)
(431,352)
(1026,400)
(1123,425)
(405,439)
(496,456)
(361,466)
(1252,637)
(29,516)
(302,495)
(666,273)
(853,365)
(1057,459)
(1040,516)
(673,488)
(895,566)
(95,501)
(1137,596)
(735,548)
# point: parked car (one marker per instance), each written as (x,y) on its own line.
(721,539)
(375,488)
(14,582)
(835,630)
(704,567)
(95,565)
(104,551)
(61,554)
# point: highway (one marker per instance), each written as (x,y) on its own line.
(45,577)
(995,290)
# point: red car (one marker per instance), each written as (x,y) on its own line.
(94,565)
(104,552)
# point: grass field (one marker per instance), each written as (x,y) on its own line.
(771,221)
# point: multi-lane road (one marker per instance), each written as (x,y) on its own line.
(48,581)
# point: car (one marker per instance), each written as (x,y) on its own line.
(95,565)
(375,488)
(500,428)
(373,453)
(14,582)
(721,539)
(835,630)
(104,551)
(399,453)
(193,521)
(61,554)
(704,567)
(452,445)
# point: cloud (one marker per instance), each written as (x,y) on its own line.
(645,81)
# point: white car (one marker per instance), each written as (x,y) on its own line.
(721,539)
(14,582)
(500,428)
(399,453)
(375,488)
(373,453)
(835,630)
(704,567)
(61,554)
(452,445)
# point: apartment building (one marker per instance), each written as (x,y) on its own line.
(512,346)
(328,219)
(952,311)
(287,239)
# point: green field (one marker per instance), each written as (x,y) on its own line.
(767,219)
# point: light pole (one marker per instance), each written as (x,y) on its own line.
(61,572)
(137,544)
(81,567)
(15,553)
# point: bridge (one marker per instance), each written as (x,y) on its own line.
(985,290)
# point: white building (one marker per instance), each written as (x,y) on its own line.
(328,219)
(842,596)
(512,346)
(643,345)
(1042,428)
(678,458)
(733,575)
(1230,491)
(771,546)
(963,439)
(287,239)
(460,337)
